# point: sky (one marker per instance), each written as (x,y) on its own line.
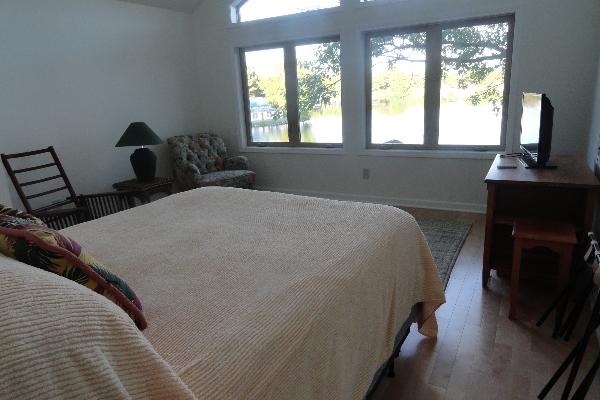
(268,62)
(259,9)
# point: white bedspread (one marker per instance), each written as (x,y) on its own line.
(253,295)
(60,340)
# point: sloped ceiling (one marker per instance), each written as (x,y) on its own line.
(187,6)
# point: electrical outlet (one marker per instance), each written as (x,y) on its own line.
(366,173)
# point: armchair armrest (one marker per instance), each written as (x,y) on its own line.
(188,175)
(237,163)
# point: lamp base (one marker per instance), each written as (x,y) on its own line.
(143,161)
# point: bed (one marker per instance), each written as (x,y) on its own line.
(247,295)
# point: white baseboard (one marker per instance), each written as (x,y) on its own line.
(392,201)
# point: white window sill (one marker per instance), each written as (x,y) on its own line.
(462,154)
(294,150)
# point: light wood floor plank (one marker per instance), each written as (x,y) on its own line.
(479,352)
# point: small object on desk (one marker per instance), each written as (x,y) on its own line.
(143,190)
(507,164)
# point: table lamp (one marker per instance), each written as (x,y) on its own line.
(143,160)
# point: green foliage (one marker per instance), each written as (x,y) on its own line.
(477,54)
(473,59)
(254,89)
(318,83)
(473,55)
(394,91)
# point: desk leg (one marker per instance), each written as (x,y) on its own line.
(590,204)
(489,231)
(564,271)
(515,278)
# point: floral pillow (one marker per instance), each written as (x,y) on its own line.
(47,249)
(6,210)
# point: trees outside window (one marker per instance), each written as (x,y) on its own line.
(292,94)
(439,86)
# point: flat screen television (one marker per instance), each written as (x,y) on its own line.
(536,130)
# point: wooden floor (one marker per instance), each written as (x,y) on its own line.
(479,353)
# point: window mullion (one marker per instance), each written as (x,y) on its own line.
(433,83)
(291,89)
(246,97)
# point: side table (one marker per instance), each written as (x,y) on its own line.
(144,190)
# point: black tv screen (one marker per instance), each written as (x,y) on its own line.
(536,129)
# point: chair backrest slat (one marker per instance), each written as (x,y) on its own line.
(28,153)
(47,192)
(55,205)
(50,178)
(19,171)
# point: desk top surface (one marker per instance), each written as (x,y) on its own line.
(571,172)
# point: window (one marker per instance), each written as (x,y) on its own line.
(292,94)
(439,86)
(252,10)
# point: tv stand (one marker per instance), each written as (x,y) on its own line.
(567,194)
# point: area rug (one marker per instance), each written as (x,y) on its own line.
(446,239)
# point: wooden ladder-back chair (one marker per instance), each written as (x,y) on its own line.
(75,208)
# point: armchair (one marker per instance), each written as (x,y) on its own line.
(201,160)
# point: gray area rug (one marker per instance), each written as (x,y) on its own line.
(446,239)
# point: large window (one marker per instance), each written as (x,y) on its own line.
(252,10)
(439,86)
(292,94)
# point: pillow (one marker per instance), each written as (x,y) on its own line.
(6,210)
(47,249)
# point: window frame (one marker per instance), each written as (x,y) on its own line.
(433,80)
(290,63)
(237,5)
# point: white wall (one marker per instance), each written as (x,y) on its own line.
(556,51)
(4,193)
(594,139)
(594,142)
(75,73)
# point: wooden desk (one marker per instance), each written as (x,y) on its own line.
(567,194)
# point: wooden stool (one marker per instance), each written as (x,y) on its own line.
(559,237)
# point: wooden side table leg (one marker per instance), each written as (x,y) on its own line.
(489,231)
(515,276)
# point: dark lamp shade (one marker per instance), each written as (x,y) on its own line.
(139,134)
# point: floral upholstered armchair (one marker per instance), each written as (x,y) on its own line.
(201,160)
